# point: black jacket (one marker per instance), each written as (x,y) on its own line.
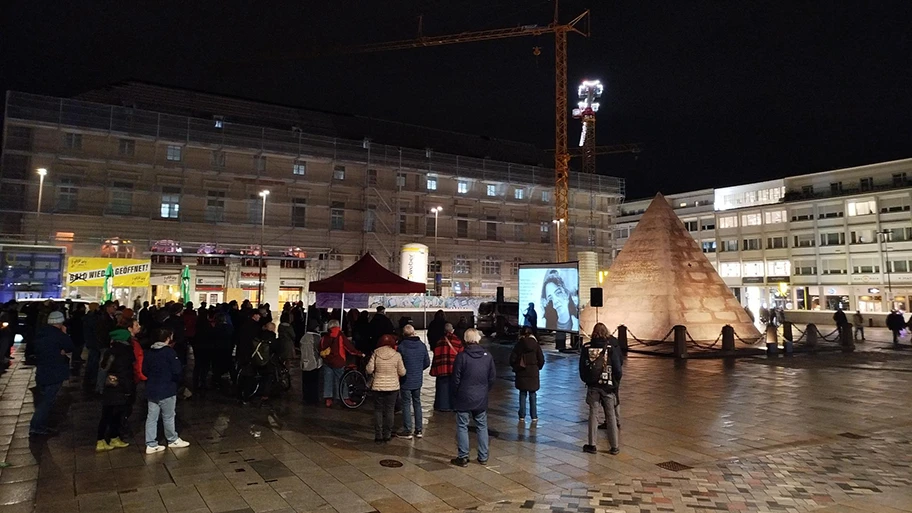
(381,325)
(614,356)
(121,358)
(528,351)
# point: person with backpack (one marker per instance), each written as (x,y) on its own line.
(163,372)
(445,351)
(527,360)
(387,368)
(600,370)
(334,349)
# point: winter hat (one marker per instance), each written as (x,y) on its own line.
(55,318)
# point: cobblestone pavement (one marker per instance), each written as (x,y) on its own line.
(823,432)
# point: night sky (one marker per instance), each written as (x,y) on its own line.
(718,92)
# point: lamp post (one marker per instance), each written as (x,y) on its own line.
(557,223)
(437,275)
(42,172)
(882,236)
(263,194)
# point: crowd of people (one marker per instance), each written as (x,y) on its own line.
(143,351)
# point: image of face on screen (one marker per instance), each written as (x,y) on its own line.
(559,302)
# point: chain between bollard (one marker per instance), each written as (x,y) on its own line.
(701,346)
(759,339)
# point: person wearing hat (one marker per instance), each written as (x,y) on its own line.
(52,344)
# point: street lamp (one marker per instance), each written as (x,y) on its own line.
(263,194)
(42,172)
(882,237)
(557,223)
(437,277)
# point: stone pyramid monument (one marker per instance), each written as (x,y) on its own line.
(662,278)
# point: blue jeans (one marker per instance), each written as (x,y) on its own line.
(44,406)
(462,433)
(165,407)
(411,400)
(533,410)
(331,379)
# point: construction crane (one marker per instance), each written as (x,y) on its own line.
(589,92)
(561,154)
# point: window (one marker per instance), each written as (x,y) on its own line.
(432,183)
(299,212)
(804,240)
(862,236)
(729,245)
(121,198)
(899,234)
(337,215)
(490,266)
(491,190)
(729,269)
(829,211)
(752,244)
(254,208)
(546,196)
(778,242)
(299,168)
(899,179)
(462,187)
(545,229)
(462,265)
(403,223)
(170,202)
(900,204)
(126,148)
(19,138)
(72,141)
(215,206)
(836,188)
(339,172)
(173,153)
(774,216)
(400,180)
(832,239)
(691,225)
(751,219)
(514,266)
(862,208)
(462,288)
(865,265)
(833,266)
(491,228)
(778,268)
(805,267)
(462,226)
(709,246)
(867,184)
(807,190)
(752,269)
(371,177)
(592,238)
(899,266)
(803,214)
(429,227)
(259,163)
(708,223)
(518,193)
(67,194)
(728,222)
(370,218)
(218,159)
(622,233)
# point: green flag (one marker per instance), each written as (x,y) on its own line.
(108,289)
(185,284)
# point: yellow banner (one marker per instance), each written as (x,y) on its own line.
(90,272)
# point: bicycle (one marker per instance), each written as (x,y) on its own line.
(353,386)
(251,381)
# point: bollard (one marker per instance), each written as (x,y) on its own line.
(772,340)
(846,339)
(622,338)
(811,337)
(788,344)
(728,338)
(680,342)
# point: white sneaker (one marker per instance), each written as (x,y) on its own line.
(153,450)
(177,444)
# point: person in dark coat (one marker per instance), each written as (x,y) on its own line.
(895,324)
(473,377)
(90,340)
(527,360)
(415,357)
(600,370)
(118,388)
(530,318)
(248,332)
(380,325)
(105,324)
(435,330)
(144,315)
(461,326)
(164,372)
(203,348)
(361,334)
(222,336)
(840,318)
(52,344)
(74,330)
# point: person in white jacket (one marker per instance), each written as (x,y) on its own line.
(386,367)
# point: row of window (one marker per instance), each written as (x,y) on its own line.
(809,267)
(864,184)
(809,240)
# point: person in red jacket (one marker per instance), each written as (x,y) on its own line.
(334,348)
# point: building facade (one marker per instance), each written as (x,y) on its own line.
(821,241)
(178,178)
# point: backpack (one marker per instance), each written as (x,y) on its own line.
(595,366)
(261,353)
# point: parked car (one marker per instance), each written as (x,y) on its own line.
(501,319)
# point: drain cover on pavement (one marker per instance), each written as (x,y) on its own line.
(673,466)
(390,463)
(852,436)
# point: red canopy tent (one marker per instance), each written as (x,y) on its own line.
(367,276)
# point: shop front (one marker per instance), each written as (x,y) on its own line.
(250,283)
(291,290)
(165,288)
(210,289)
